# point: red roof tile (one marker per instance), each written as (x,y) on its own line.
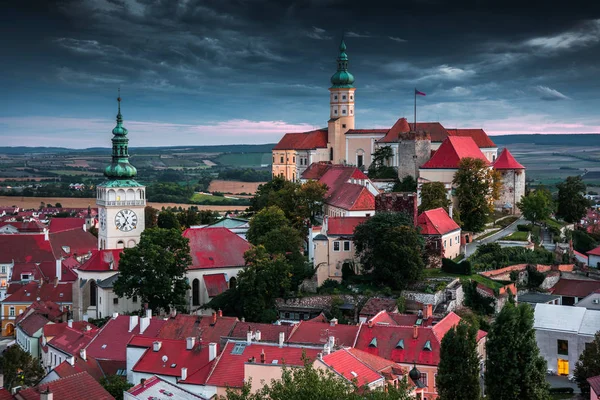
(52,330)
(343,226)
(381,131)
(392,135)
(25,248)
(229,368)
(111,342)
(575,287)
(65,224)
(594,252)
(215,248)
(48,309)
(32,226)
(506,161)
(73,242)
(350,367)
(594,382)
(303,141)
(60,293)
(452,150)
(71,340)
(154,388)
(316,170)
(352,197)
(478,135)
(437,132)
(102,260)
(183,326)
(89,365)
(447,323)
(268,332)
(5,394)
(317,333)
(33,323)
(80,386)
(373,361)
(436,222)
(215,284)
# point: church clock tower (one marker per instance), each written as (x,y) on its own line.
(341,108)
(120,199)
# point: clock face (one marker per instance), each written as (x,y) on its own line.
(126,220)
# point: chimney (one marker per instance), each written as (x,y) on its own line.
(47,394)
(333,322)
(257,335)
(281,338)
(46,236)
(83,354)
(70,323)
(183,374)
(133,321)
(189,343)
(450,210)
(415,332)
(249,336)
(262,356)
(144,323)
(156,346)
(59,269)
(428,311)
(220,313)
(214,318)
(88,328)
(71,360)
(331,342)
(212,351)
(148,313)
(115,315)
(370,323)
(86,317)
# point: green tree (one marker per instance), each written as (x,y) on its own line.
(434,195)
(154,270)
(58,205)
(310,196)
(458,370)
(582,241)
(514,368)
(407,184)
(536,206)
(390,249)
(93,230)
(168,220)
(572,206)
(19,368)
(270,228)
(588,364)
(150,217)
(477,302)
(115,385)
(476,187)
(379,168)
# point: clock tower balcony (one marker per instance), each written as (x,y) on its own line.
(121,203)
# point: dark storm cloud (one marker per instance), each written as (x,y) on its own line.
(196,62)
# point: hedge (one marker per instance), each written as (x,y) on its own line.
(525,227)
(451,267)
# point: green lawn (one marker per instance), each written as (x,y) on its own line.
(244,159)
(199,197)
(519,236)
(438,273)
(490,233)
(555,223)
(506,221)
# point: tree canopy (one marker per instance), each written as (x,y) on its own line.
(572,205)
(150,217)
(379,168)
(588,364)
(434,195)
(477,186)
(168,220)
(458,370)
(154,270)
(492,256)
(407,184)
(536,205)
(115,385)
(514,368)
(19,368)
(390,249)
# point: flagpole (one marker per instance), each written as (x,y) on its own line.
(415,124)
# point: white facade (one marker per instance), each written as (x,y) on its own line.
(120,216)
(198,274)
(28,343)
(341,102)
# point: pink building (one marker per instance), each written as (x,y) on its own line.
(438,224)
(594,387)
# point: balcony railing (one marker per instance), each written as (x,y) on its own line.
(121,203)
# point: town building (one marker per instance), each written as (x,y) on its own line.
(562,332)
(594,382)
(66,345)
(591,301)
(571,291)
(439,226)
(155,388)
(81,386)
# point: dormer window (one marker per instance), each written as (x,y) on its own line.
(400,344)
(427,346)
(373,342)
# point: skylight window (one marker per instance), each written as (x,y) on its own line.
(373,342)
(419,321)
(238,348)
(427,346)
(103,346)
(400,344)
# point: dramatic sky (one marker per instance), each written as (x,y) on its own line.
(196,72)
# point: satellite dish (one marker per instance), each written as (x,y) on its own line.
(164,359)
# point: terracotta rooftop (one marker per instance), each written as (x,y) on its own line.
(65,224)
(215,284)
(215,248)
(33,291)
(575,287)
(71,340)
(80,386)
(183,326)
(392,135)
(352,368)
(318,333)
(73,242)
(436,222)
(155,388)
(268,332)
(506,161)
(594,382)
(102,260)
(343,226)
(478,135)
(24,249)
(89,365)
(303,141)
(33,323)
(452,151)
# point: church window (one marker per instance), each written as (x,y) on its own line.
(344,97)
(331,154)
(232,282)
(116,301)
(93,293)
(281,161)
(134,299)
(359,160)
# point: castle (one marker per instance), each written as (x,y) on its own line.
(428,152)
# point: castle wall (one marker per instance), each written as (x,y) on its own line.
(397,202)
(512,190)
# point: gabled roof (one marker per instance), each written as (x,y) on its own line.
(183,326)
(268,332)
(316,170)
(448,322)
(506,161)
(343,226)
(65,224)
(436,222)
(155,388)
(32,226)
(594,252)
(350,367)
(73,241)
(33,291)
(351,197)
(102,260)
(33,323)
(215,248)
(71,340)
(229,368)
(478,135)
(452,151)
(80,386)
(25,248)
(317,333)
(392,135)
(89,365)
(437,132)
(53,330)
(594,382)
(303,141)
(575,287)
(111,341)
(215,284)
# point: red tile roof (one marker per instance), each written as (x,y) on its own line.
(478,135)
(102,260)
(594,252)
(343,226)
(373,361)
(25,226)
(89,365)
(215,248)
(215,284)
(594,382)
(303,141)
(65,224)
(154,388)
(48,309)
(381,131)
(316,170)
(80,386)
(575,287)
(392,135)
(436,222)
(33,323)
(5,394)
(268,332)
(229,368)
(350,367)
(437,132)
(25,248)
(317,333)
(71,340)
(352,197)
(447,323)
(33,291)
(452,150)
(183,326)
(111,342)
(52,330)
(506,161)
(73,242)
(38,271)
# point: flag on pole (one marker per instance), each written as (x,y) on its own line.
(419,93)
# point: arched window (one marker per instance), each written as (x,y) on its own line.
(195,292)
(232,282)
(93,293)
(120,244)
(331,154)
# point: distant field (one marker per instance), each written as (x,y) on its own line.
(77,173)
(200,197)
(234,187)
(69,202)
(244,159)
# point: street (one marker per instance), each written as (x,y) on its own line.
(472,247)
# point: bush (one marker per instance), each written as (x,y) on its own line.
(525,227)
(329,286)
(564,389)
(451,267)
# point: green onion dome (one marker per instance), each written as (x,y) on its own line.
(342,78)
(120,168)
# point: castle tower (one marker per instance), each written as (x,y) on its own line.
(513,182)
(120,199)
(341,108)
(414,150)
